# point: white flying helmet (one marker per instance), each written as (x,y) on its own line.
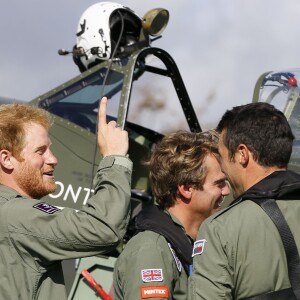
(99,29)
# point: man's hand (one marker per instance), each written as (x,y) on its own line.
(112,140)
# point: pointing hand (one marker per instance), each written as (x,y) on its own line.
(112,140)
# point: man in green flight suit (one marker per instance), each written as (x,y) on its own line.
(239,253)
(189,186)
(35,236)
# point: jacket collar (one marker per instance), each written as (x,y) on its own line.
(278,185)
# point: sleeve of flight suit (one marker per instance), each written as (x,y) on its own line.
(145,255)
(212,276)
(50,235)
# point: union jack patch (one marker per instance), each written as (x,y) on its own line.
(150,275)
(198,247)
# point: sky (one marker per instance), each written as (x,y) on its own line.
(220,47)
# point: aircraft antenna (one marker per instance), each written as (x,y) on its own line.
(102,90)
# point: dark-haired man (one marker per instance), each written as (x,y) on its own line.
(243,256)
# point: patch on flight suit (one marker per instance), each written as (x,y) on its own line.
(178,262)
(198,247)
(150,275)
(47,208)
(154,292)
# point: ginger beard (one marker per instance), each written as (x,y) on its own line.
(34,182)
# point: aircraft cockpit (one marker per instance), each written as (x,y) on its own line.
(282,90)
(143,78)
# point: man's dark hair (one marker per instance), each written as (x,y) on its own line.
(262,128)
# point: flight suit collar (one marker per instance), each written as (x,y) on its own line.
(8,193)
(278,185)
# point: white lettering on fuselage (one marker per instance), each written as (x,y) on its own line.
(70,192)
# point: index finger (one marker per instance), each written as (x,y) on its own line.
(102,112)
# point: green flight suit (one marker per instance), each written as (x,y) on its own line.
(243,254)
(36,237)
(150,251)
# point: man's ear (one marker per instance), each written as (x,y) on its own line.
(243,154)
(6,159)
(185,191)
